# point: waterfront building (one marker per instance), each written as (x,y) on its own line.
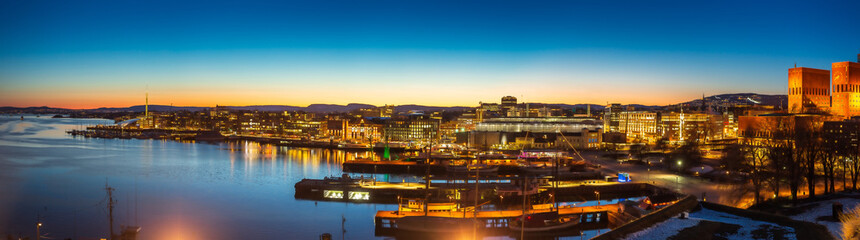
(411,128)
(513,133)
(363,131)
(846,88)
(337,128)
(808,90)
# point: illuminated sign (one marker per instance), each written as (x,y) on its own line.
(332,194)
(359,195)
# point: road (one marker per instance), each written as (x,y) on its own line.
(727,194)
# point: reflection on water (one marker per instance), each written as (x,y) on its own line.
(173,190)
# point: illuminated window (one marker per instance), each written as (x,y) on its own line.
(332,194)
(359,195)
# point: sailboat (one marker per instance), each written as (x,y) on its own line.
(545,221)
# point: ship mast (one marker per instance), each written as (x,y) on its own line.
(110,208)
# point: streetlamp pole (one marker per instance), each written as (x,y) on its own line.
(38,231)
(598,197)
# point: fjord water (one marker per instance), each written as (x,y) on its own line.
(173,190)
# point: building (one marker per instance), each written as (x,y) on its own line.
(808,90)
(515,133)
(842,136)
(680,127)
(587,139)
(763,128)
(364,131)
(508,103)
(612,117)
(337,128)
(846,88)
(411,128)
(640,126)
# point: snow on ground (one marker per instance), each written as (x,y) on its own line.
(824,208)
(664,229)
(672,226)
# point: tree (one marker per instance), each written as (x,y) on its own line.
(778,154)
(733,158)
(828,166)
(808,145)
(755,157)
(853,163)
(687,154)
(788,147)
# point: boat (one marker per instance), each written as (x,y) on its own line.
(543,169)
(494,155)
(209,136)
(392,146)
(543,222)
(353,146)
(428,224)
(479,168)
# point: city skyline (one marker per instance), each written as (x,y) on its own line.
(109,54)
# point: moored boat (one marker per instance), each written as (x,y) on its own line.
(543,222)
(543,170)
(428,224)
(477,168)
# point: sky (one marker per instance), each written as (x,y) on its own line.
(89,54)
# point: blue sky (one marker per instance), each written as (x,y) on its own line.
(108,53)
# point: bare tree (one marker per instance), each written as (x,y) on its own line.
(792,147)
(808,145)
(755,158)
(853,166)
(828,167)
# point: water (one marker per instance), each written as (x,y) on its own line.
(173,190)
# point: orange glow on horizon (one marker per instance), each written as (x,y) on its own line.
(78,99)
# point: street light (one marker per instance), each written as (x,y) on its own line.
(598,197)
(38,231)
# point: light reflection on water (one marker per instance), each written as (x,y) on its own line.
(173,190)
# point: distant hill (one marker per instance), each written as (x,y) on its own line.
(323,108)
(778,101)
(410,107)
(597,107)
(154,108)
(39,110)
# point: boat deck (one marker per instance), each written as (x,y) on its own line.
(496,222)
(499,214)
